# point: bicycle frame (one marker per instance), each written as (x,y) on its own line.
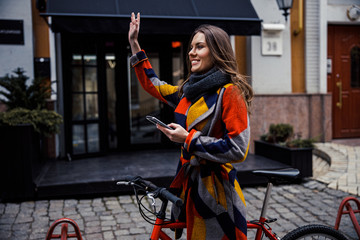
(157,232)
(261,229)
(160,223)
(259,225)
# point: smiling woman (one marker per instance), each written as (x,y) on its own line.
(212,126)
(199,54)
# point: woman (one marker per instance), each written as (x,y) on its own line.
(212,124)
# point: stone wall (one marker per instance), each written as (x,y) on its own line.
(309,114)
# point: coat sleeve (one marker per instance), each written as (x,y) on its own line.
(150,81)
(233,145)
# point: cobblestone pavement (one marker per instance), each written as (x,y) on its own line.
(311,202)
(344,171)
(118,217)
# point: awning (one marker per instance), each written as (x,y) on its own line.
(237,17)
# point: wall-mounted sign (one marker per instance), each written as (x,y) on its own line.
(12,32)
(271,39)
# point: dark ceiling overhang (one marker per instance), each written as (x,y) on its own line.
(237,17)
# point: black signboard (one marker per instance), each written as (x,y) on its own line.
(12,32)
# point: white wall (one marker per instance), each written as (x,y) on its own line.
(337,11)
(14,56)
(270,74)
(312,45)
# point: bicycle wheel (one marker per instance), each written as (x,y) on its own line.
(315,231)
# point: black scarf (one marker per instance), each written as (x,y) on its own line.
(200,84)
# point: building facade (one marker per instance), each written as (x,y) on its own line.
(298,73)
(15,53)
(314,84)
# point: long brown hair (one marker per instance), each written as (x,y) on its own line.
(223,58)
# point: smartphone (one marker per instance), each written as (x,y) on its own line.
(154,120)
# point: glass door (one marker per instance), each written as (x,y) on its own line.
(84,101)
(141,105)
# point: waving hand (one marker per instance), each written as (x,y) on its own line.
(134,29)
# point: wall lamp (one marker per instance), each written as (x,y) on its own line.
(285,5)
(353,12)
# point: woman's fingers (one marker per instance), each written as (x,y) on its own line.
(135,21)
(178,135)
(133,30)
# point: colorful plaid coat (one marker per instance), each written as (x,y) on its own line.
(219,129)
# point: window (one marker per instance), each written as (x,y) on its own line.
(355,67)
(85,109)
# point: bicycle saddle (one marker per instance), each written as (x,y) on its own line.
(287,173)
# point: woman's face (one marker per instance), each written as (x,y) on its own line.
(199,54)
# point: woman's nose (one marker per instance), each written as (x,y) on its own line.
(192,52)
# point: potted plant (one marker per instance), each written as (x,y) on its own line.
(282,145)
(23,128)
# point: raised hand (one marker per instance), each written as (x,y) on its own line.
(134,28)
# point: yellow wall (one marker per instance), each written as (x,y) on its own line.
(41,34)
(297,47)
(240,52)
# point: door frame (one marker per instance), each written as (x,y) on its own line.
(69,43)
(333,85)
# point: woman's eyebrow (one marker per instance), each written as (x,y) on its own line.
(198,43)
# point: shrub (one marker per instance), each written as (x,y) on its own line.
(280,132)
(283,134)
(18,94)
(301,143)
(44,121)
(26,103)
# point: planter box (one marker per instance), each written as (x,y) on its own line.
(20,152)
(300,158)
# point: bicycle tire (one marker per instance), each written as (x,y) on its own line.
(315,231)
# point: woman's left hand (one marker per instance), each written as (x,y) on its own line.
(178,135)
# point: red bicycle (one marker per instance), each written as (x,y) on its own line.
(263,230)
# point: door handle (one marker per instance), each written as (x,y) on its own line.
(339,103)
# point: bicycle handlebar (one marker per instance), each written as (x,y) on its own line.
(171,197)
(163,192)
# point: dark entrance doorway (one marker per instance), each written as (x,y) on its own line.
(104,106)
(344,79)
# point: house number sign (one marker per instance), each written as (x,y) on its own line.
(272,39)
